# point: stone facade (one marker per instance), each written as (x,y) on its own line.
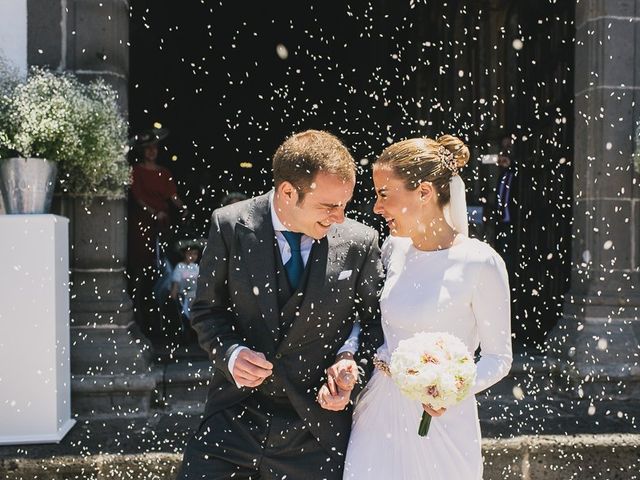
(599,337)
(109,357)
(597,340)
(87,37)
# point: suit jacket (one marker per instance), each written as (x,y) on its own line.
(237,304)
(507,189)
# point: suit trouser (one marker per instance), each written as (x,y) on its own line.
(257,439)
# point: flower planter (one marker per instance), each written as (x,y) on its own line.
(27,184)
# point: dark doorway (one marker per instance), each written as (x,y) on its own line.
(231,80)
(540,111)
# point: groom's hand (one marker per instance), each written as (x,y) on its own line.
(251,368)
(336,402)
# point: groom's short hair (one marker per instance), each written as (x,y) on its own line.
(304,154)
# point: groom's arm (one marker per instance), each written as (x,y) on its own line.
(367,332)
(212,318)
(368,286)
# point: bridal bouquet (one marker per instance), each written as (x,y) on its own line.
(433,368)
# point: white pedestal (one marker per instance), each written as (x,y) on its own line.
(35,377)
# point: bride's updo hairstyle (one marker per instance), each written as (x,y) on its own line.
(418,160)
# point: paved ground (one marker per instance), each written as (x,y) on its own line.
(167,432)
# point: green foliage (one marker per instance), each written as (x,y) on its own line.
(56,117)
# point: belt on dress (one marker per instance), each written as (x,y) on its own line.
(381,365)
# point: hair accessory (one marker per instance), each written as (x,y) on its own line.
(447,159)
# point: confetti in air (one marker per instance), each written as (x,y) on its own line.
(544,94)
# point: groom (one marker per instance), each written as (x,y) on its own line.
(282,280)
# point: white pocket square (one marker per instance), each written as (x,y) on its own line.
(344,274)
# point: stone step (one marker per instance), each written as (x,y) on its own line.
(183,385)
(529,457)
(182,380)
(530,376)
(527,402)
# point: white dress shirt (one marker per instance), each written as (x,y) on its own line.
(306,243)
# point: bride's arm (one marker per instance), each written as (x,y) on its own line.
(492,308)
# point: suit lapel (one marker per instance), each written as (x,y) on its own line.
(318,260)
(257,245)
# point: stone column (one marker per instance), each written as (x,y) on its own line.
(598,338)
(109,356)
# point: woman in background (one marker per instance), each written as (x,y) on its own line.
(153,193)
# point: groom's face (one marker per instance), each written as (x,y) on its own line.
(323,204)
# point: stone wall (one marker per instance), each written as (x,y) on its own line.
(109,357)
(599,336)
(87,37)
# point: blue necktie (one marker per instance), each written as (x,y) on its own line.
(294,266)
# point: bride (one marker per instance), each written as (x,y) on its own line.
(438,280)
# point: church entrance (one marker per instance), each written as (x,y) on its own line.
(231,81)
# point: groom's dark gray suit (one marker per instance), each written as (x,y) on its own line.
(243,298)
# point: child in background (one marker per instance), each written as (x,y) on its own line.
(183,278)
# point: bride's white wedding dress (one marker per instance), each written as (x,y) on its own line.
(463,291)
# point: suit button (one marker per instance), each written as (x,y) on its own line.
(278,356)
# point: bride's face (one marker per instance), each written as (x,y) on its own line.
(403,209)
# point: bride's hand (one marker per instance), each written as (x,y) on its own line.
(432,412)
(343,374)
